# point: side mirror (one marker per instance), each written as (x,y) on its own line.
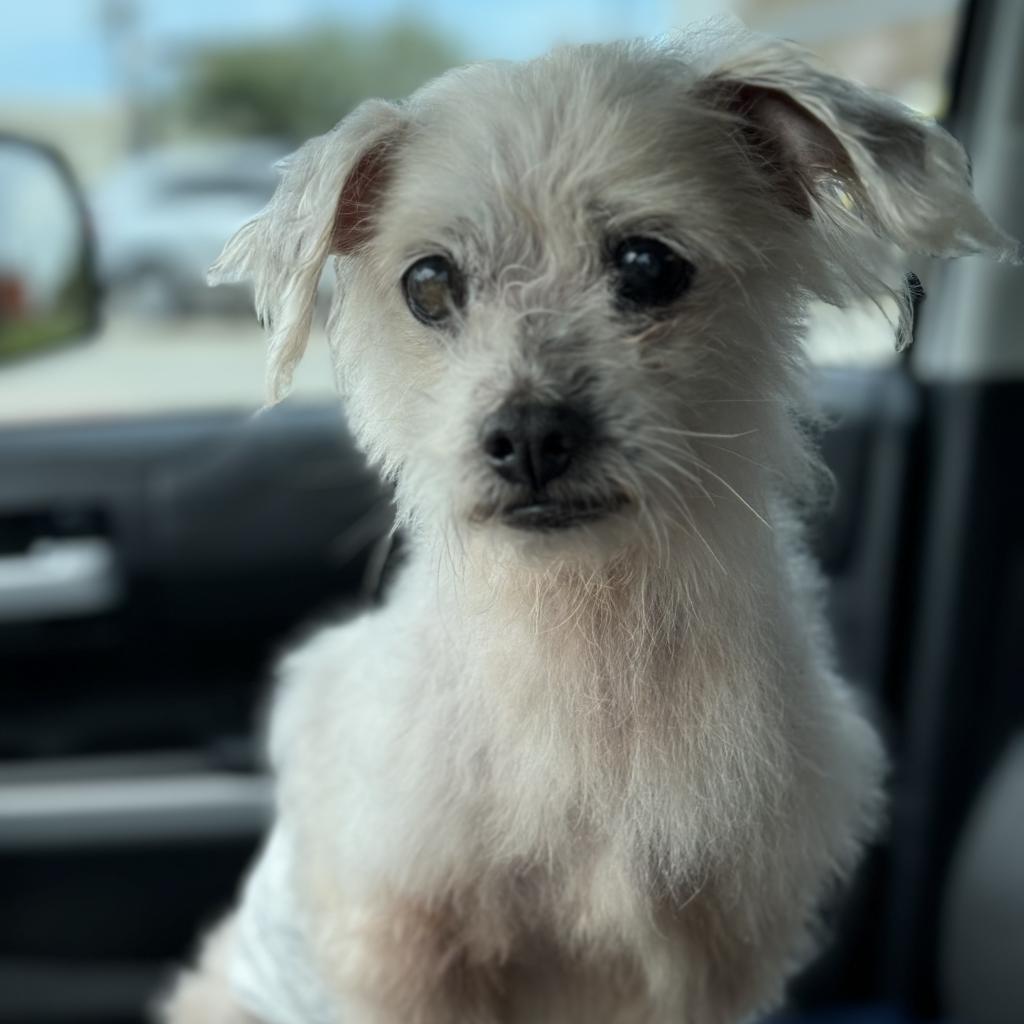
(48,288)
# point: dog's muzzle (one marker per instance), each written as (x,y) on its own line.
(530,445)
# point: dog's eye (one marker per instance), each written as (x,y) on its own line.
(649,273)
(434,289)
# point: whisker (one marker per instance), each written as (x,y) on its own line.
(745,458)
(732,490)
(680,432)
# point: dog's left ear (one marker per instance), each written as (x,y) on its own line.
(834,151)
(323,204)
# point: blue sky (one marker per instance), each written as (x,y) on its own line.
(55,49)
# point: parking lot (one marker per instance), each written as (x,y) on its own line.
(138,367)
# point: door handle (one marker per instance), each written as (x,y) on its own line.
(59,577)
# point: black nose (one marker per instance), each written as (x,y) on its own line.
(527,443)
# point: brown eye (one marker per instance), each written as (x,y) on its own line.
(649,274)
(434,289)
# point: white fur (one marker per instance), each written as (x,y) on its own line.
(607,773)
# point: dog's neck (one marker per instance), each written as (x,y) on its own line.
(589,691)
(637,612)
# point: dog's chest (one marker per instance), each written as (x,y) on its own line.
(574,942)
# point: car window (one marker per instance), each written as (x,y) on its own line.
(173,113)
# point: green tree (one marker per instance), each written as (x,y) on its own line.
(302,85)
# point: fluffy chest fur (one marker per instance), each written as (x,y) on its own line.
(602,767)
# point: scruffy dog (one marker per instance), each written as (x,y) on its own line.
(591,762)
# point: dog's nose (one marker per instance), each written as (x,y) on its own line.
(527,443)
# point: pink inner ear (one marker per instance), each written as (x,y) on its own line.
(353,219)
(797,148)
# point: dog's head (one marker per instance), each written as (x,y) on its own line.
(570,292)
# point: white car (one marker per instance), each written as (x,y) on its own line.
(163,216)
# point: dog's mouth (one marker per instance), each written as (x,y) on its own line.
(542,513)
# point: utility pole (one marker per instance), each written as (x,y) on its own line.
(121,20)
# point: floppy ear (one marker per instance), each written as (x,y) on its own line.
(323,204)
(852,158)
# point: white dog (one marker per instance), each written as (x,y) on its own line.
(591,763)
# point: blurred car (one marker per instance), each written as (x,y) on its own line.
(163,216)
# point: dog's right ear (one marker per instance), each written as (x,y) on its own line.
(875,180)
(842,154)
(323,204)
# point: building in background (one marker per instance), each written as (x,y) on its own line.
(900,46)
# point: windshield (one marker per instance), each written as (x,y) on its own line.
(173,114)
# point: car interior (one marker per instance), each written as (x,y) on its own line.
(153,564)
